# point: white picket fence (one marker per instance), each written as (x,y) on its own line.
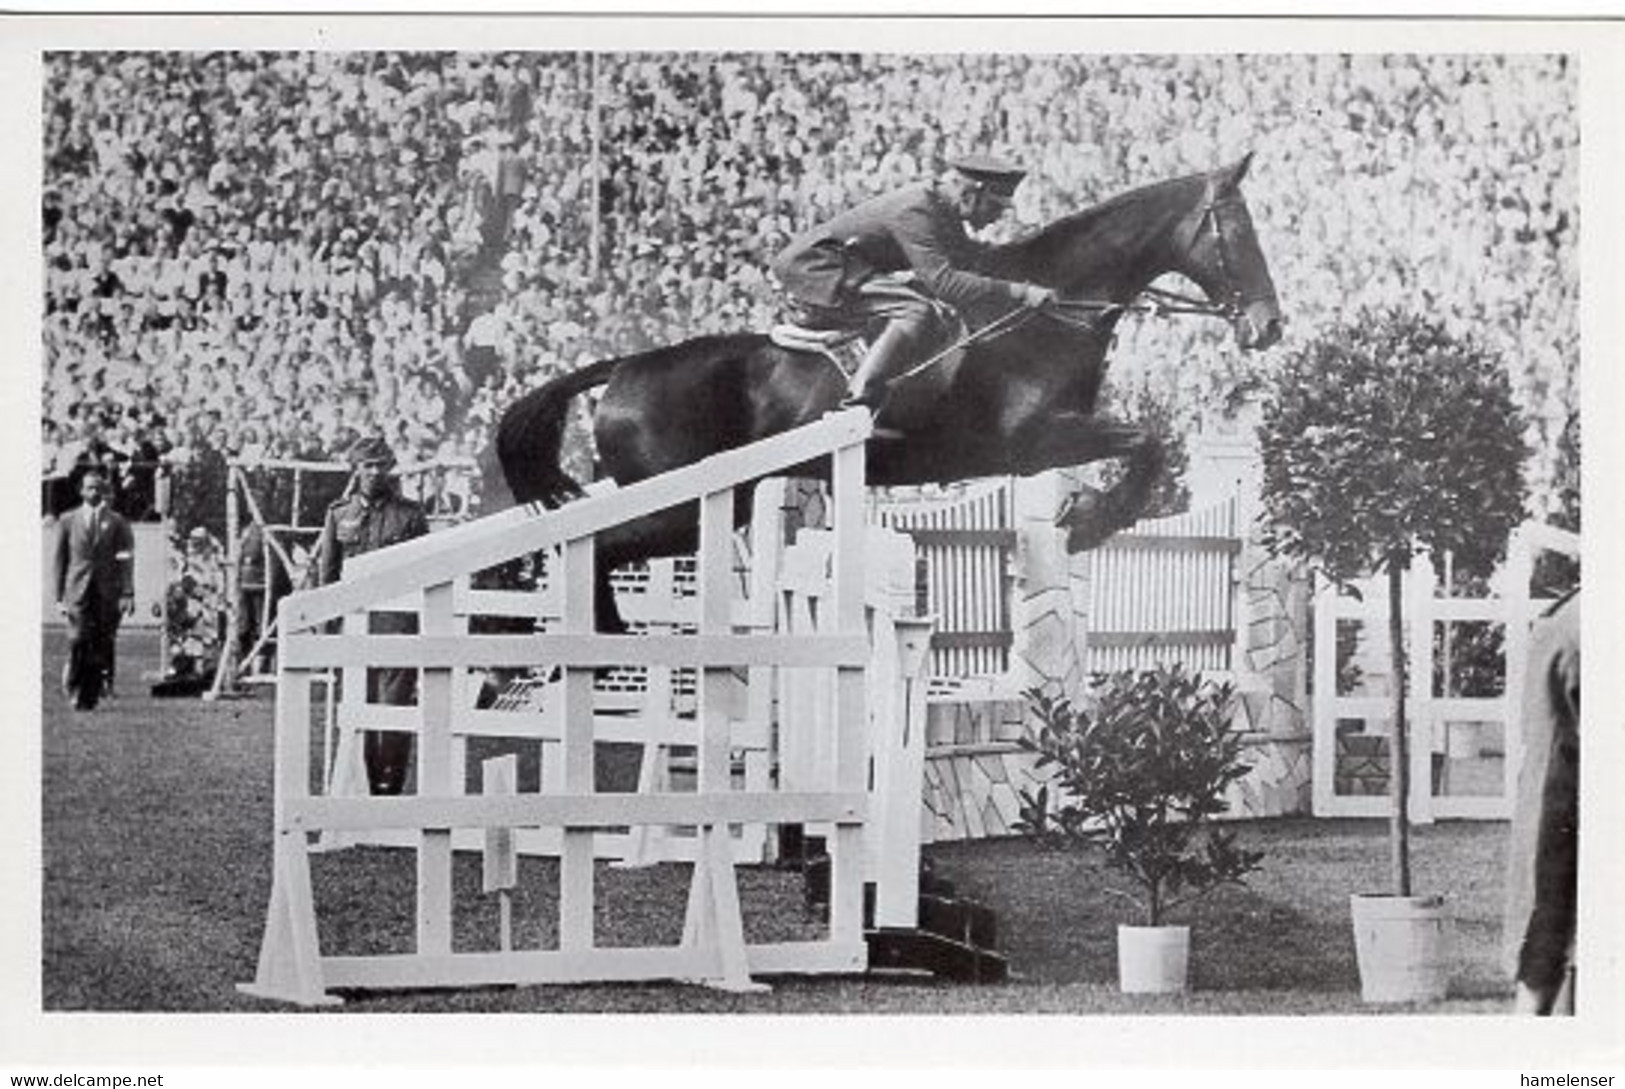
(1164,590)
(966,553)
(1161,591)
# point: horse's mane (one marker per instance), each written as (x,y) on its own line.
(1107,229)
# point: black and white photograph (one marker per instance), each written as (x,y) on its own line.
(1051,528)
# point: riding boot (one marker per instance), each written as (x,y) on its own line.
(886,358)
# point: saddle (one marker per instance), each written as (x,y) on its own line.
(828,333)
(844,347)
(913,395)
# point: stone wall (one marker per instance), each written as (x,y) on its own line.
(975,793)
(975,772)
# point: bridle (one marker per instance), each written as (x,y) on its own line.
(1237,301)
(1157,301)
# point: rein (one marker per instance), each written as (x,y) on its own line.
(1154,301)
(1078,313)
(1086,313)
(1003,324)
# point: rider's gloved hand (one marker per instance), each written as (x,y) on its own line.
(1035,296)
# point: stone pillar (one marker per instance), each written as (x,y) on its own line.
(1272,637)
(1272,682)
(1051,592)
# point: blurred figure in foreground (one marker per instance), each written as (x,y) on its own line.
(1543,861)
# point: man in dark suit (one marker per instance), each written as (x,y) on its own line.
(94,567)
(893,257)
(373,515)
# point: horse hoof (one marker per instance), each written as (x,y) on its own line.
(1081,507)
(1085,538)
(1090,520)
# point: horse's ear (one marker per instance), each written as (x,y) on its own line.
(1239,171)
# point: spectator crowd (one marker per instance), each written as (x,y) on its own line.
(273,252)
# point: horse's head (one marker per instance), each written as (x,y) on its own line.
(1219,251)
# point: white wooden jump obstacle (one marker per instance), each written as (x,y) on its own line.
(654,708)
(848,686)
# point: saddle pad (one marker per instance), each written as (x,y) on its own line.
(842,347)
(799,338)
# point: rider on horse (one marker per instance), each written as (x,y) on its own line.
(897,258)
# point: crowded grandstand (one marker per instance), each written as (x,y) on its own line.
(257,254)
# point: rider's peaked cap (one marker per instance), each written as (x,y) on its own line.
(995,174)
(371,448)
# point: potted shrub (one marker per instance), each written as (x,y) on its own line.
(1382,439)
(1140,770)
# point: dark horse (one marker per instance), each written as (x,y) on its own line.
(1018,401)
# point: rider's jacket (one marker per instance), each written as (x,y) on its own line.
(912,228)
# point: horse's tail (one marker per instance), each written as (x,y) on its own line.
(530,436)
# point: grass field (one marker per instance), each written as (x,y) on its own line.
(156,851)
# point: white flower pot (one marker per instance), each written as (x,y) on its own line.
(1402,945)
(1153,959)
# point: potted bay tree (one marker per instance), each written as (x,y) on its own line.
(1140,769)
(1383,439)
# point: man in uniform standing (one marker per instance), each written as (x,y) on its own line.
(95,588)
(373,515)
(893,257)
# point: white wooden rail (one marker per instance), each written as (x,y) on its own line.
(638,707)
(811,742)
(714,949)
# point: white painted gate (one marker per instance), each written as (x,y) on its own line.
(1464,759)
(965,541)
(1164,590)
(1161,591)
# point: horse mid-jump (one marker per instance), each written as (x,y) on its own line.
(1020,397)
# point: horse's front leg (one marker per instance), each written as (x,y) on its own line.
(1067,439)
